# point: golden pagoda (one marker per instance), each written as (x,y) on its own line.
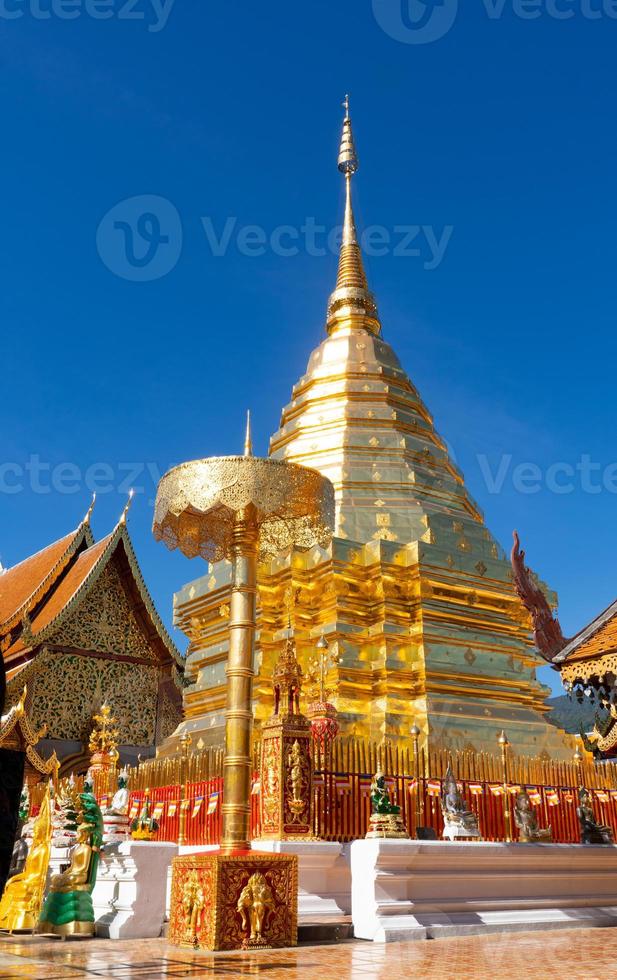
(414,595)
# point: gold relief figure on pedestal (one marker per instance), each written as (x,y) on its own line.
(193,904)
(529,830)
(256,899)
(22,898)
(270,793)
(296,781)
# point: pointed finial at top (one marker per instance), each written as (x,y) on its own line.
(351,304)
(248,441)
(127,507)
(86,519)
(347,157)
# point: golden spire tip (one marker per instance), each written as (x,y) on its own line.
(90,509)
(347,158)
(248,441)
(127,507)
(351,303)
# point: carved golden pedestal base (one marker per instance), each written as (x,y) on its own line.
(387,825)
(242,900)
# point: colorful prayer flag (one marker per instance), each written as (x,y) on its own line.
(602,795)
(552,797)
(514,789)
(496,789)
(343,784)
(413,785)
(256,788)
(134,810)
(534,795)
(476,789)
(157,813)
(197,806)
(171,808)
(213,802)
(433,787)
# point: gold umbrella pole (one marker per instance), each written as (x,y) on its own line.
(242,509)
(237,774)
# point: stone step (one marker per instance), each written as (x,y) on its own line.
(333,931)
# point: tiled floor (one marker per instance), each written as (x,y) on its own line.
(586,953)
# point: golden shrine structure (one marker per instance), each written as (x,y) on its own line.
(414,594)
(77,626)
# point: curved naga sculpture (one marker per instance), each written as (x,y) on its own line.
(547,632)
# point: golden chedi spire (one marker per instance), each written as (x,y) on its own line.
(248,438)
(351,304)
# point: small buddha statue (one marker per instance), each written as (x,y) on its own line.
(591,832)
(529,830)
(117,826)
(144,826)
(120,802)
(386,820)
(459,820)
(68,909)
(22,897)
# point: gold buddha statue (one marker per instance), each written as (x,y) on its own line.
(76,876)
(22,898)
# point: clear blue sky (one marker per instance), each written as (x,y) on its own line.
(503,129)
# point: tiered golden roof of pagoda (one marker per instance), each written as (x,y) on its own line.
(357,418)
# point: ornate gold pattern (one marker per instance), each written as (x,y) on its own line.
(193,904)
(248,900)
(105,622)
(197,504)
(67,689)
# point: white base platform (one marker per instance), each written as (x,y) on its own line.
(324,877)
(433,889)
(129,895)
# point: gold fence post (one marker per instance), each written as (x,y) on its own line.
(503,744)
(578,761)
(415,735)
(185,742)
